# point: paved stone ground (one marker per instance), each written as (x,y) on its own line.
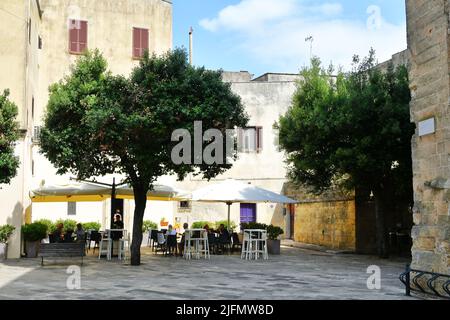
(296,274)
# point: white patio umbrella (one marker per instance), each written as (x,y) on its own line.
(84,191)
(232,191)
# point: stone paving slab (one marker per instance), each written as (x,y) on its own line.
(294,275)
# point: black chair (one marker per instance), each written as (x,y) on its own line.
(236,242)
(68,237)
(213,243)
(154,238)
(171,245)
(51,238)
(225,242)
(96,237)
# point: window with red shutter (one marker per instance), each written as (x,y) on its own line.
(140,42)
(78,36)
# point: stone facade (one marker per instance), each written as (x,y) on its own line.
(428,44)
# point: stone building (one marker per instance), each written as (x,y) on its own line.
(428,44)
(39,40)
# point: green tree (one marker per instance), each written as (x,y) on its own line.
(98,124)
(352,131)
(9,133)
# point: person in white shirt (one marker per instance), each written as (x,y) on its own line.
(171,231)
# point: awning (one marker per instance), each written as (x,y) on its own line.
(90,192)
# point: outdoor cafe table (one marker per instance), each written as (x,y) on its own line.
(188,252)
(250,248)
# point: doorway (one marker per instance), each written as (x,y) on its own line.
(248,212)
(117,205)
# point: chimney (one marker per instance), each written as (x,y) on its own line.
(191,46)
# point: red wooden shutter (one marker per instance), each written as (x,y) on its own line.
(82,36)
(144,41)
(73,36)
(136,42)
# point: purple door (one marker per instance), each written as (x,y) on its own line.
(248,212)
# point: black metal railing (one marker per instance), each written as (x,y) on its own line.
(424,282)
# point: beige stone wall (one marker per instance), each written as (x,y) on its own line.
(19,65)
(428,39)
(327,223)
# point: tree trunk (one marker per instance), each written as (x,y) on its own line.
(380,216)
(140,199)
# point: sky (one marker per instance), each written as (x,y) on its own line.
(262,36)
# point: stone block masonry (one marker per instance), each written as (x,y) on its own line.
(428,45)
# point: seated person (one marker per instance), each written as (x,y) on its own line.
(171,231)
(208,229)
(181,244)
(117,224)
(79,233)
(223,232)
(58,234)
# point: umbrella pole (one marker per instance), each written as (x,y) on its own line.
(229,206)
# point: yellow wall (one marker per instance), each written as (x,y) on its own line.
(330,224)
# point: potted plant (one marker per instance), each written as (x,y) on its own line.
(33,234)
(273,241)
(5,232)
(163,222)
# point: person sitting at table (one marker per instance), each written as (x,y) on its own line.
(224,237)
(79,233)
(208,229)
(171,231)
(181,244)
(58,234)
(118,225)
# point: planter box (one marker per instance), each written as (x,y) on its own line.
(273,247)
(32,248)
(3,251)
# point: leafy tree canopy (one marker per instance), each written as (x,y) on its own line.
(351,129)
(98,123)
(9,133)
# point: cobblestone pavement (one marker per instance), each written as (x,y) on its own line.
(296,274)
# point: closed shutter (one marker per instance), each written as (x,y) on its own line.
(140,42)
(144,41)
(78,36)
(136,42)
(83,34)
(73,36)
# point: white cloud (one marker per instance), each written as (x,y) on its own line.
(275,35)
(249,14)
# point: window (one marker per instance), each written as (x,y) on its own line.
(36,134)
(250,139)
(39,42)
(77,36)
(140,42)
(71,208)
(184,206)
